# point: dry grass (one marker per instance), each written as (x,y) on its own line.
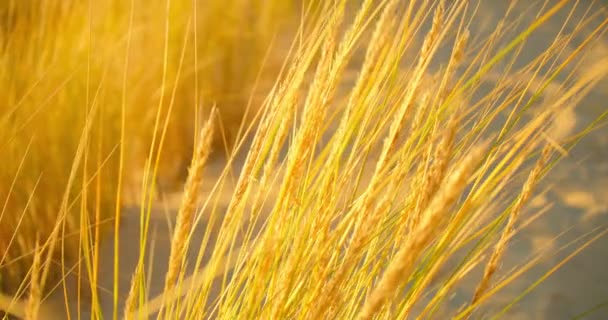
(71,60)
(354,192)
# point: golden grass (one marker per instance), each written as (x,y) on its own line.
(62,60)
(189,202)
(500,247)
(34,295)
(354,192)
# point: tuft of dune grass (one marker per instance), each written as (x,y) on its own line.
(354,192)
(65,63)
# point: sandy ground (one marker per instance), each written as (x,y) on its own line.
(578,191)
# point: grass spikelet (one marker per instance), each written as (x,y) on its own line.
(35,293)
(187,208)
(433,176)
(431,38)
(131,301)
(403,261)
(507,232)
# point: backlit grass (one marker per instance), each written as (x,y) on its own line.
(389,150)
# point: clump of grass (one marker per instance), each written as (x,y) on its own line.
(51,108)
(355,192)
(75,76)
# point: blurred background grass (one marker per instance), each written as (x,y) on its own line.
(62,62)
